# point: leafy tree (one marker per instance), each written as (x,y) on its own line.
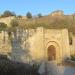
(3,27)
(14,23)
(29,15)
(8,13)
(39,15)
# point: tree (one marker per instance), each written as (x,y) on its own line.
(39,15)
(3,27)
(19,17)
(29,15)
(8,13)
(14,23)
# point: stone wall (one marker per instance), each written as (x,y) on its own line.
(58,38)
(42,38)
(36,44)
(5,46)
(32,44)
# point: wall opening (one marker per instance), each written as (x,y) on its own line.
(51,53)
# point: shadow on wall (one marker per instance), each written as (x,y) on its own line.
(18,53)
(8,67)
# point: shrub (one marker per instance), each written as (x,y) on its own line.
(73,57)
(8,67)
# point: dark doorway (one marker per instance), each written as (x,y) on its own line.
(51,53)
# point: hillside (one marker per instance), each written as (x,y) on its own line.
(49,21)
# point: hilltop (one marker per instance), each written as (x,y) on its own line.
(55,21)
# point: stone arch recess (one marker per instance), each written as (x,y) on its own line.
(57,48)
(51,52)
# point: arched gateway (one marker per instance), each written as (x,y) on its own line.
(51,53)
(49,44)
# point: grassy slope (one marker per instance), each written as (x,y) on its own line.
(63,21)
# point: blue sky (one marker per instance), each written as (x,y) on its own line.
(37,6)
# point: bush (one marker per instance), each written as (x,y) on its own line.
(73,57)
(8,67)
(29,15)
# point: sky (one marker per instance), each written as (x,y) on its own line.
(21,7)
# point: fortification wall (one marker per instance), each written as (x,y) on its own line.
(40,41)
(60,38)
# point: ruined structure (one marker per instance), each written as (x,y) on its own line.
(38,44)
(49,44)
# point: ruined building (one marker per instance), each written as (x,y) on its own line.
(38,44)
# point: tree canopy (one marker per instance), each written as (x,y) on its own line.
(8,13)
(29,15)
(39,15)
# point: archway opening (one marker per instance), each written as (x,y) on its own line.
(51,53)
